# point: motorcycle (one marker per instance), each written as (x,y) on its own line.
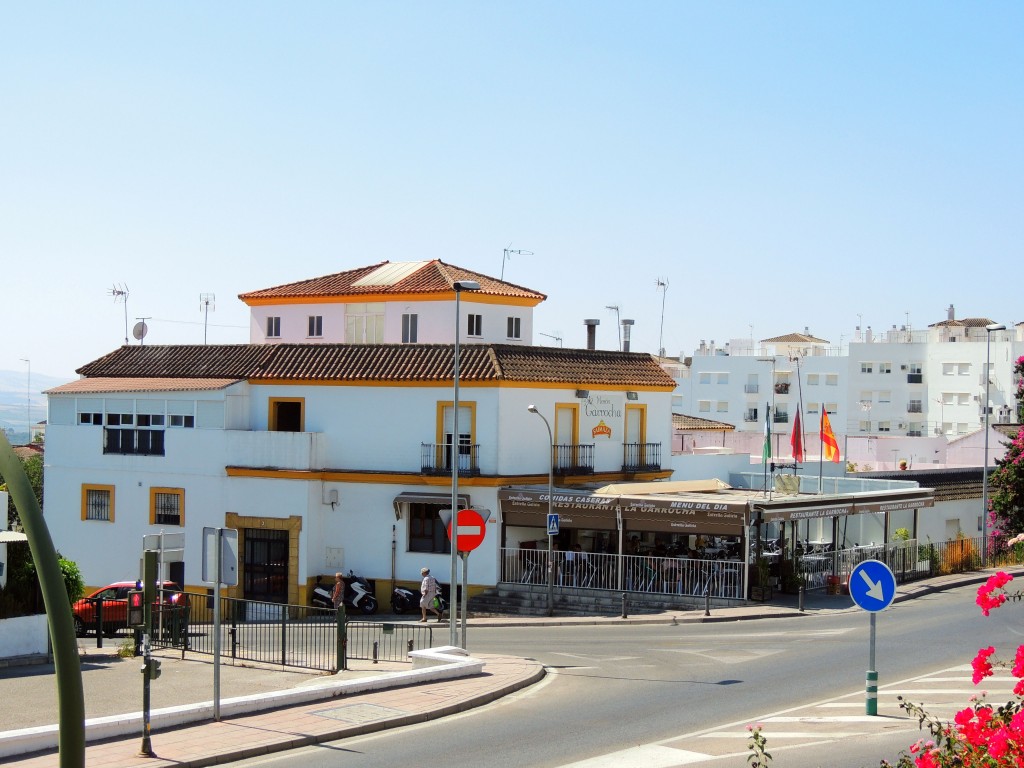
(403,600)
(358,595)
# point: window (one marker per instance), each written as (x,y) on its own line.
(812,407)
(916,368)
(812,379)
(316,326)
(704,406)
(98,502)
(409,328)
(514,328)
(166,506)
(705,377)
(884,396)
(273,327)
(865,397)
(723,378)
(963,369)
(364,323)
(90,418)
(426,531)
(864,426)
(962,398)
(831,379)
(750,415)
(467,429)
(722,406)
(831,407)
(866,367)
(120,436)
(884,426)
(915,406)
(885,367)
(180,420)
(474,325)
(287,414)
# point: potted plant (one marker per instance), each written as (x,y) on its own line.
(763,589)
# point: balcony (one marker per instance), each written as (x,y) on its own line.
(915,378)
(750,416)
(913,433)
(641,457)
(914,407)
(435,459)
(782,388)
(282,450)
(781,418)
(751,389)
(572,459)
(138,442)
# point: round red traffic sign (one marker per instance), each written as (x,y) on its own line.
(470,532)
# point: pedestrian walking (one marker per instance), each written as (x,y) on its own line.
(429,589)
(338,595)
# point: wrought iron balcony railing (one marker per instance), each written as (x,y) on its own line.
(436,459)
(641,457)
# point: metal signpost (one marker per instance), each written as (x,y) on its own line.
(872,587)
(470,528)
(220,568)
(168,546)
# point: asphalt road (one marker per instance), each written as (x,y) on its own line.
(616,689)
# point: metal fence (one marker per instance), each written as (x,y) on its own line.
(288,635)
(632,573)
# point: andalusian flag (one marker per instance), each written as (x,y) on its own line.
(766,452)
(829,446)
(797,439)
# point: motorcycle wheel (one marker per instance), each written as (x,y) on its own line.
(369,606)
(397,608)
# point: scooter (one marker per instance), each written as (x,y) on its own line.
(358,595)
(403,600)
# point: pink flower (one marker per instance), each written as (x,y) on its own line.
(982,668)
(986,600)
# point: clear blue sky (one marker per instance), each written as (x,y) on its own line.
(780,164)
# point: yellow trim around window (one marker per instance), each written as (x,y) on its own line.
(638,411)
(179,492)
(441,405)
(272,411)
(574,438)
(86,487)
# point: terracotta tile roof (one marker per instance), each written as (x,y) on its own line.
(101,384)
(433,277)
(947,484)
(695,424)
(382,362)
(795,338)
(967,322)
(1009,430)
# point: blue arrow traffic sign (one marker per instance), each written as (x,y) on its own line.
(872,585)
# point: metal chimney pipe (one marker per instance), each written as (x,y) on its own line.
(627,327)
(591,332)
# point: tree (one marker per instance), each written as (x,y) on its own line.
(1006,500)
(34,470)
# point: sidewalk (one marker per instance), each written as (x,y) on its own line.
(389,697)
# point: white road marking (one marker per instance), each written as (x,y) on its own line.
(644,756)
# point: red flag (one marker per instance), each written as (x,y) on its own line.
(829,446)
(797,439)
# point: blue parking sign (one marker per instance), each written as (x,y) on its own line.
(872,585)
(553,524)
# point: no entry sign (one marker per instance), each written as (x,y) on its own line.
(469,533)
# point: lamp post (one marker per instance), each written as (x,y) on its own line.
(453,631)
(984,477)
(551,538)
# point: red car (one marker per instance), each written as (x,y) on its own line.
(114,598)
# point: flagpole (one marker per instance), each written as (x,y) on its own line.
(821,448)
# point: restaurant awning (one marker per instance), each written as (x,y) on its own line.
(415,497)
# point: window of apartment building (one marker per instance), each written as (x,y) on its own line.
(750,415)
(813,407)
(723,378)
(961,428)
(722,406)
(884,396)
(781,415)
(947,428)
(98,502)
(126,434)
(751,387)
(885,426)
(866,397)
(273,327)
(831,379)
(962,398)
(885,367)
(915,406)
(948,398)
(315,326)
(677,401)
(963,369)
(949,369)
(704,406)
(867,367)
(166,506)
(705,377)
(812,379)
(409,330)
(467,429)
(864,425)
(831,408)
(364,323)
(426,531)
(474,325)
(286,414)
(915,368)
(514,327)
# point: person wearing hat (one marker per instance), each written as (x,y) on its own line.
(429,589)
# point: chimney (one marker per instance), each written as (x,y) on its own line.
(807,330)
(950,314)
(591,333)
(627,327)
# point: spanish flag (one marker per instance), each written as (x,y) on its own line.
(829,446)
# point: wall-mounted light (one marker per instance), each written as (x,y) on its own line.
(632,396)
(582,393)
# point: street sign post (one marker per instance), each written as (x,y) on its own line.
(553,524)
(470,530)
(873,588)
(220,567)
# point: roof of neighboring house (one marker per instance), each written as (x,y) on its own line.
(1009,430)
(377,363)
(967,322)
(29,451)
(425,277)
(794,338)
(948,484)
(694,423)
(102,384)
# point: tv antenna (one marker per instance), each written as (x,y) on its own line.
(663,286)
(553,336)
(618,323)
(206,306)
(141,329)
(120,293)
(508,252)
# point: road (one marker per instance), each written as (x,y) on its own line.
(666,695)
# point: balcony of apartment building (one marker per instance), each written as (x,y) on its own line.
(436,459)
(641,457)
(750,415)
(780,417)
(572,459)
(782,388)
(915,406)
(915,378)
(280,450)
(751,389)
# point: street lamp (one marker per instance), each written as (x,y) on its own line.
(551,538)
(984,477)
(459,286)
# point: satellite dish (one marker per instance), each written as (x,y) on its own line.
(140,330)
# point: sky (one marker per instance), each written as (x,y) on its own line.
(778,166)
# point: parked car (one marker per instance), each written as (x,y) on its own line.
(171,605)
